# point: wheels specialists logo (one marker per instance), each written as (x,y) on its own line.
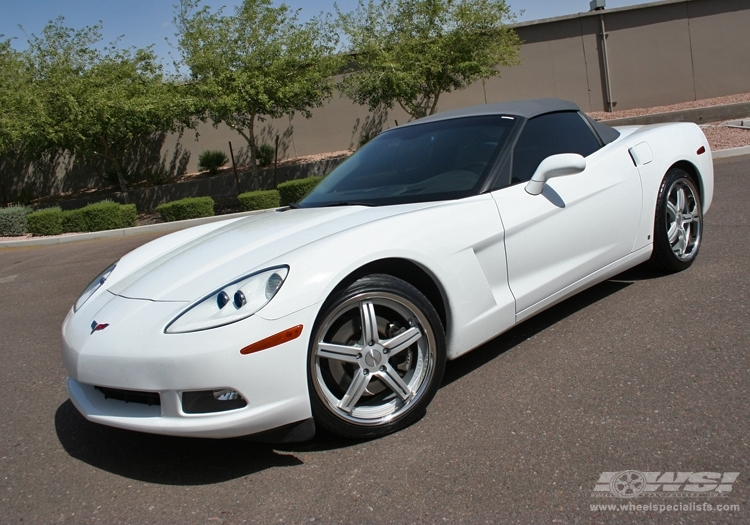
(634,483)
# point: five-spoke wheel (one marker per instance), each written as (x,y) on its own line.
(678,222)
(376,357)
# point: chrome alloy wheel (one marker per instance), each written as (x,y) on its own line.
(683,219)
(373,358)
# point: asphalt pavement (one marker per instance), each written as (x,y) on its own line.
(644,373)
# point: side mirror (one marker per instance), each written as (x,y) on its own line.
(555,166)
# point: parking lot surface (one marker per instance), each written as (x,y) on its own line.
(645,372)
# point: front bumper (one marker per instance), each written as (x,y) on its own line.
(135,355)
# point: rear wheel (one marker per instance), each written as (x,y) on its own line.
(376,358)
(678,223)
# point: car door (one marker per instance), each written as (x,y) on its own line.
(579,224)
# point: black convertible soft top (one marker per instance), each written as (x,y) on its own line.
(522,108)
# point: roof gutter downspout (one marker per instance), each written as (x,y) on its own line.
(605,61)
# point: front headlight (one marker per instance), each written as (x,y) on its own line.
(231,303)
(93,287)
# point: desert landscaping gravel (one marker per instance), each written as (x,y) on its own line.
(694,104)
(719,137)
(722,137)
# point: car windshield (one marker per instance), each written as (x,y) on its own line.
(447,159)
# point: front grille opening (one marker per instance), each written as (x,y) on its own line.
(207,401)
(131,396)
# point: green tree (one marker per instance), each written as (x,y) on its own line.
(257,63)
(409,52)
(19,111)
(15,101)
(101,103)
(55,61)
(123,100)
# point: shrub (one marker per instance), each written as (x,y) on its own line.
(293,190)
(101,216)
(46,222)
(104,215)
(264,154)
(74,221)
(212,160)
(190,208)
(128,215)
(259,200)
(13,221)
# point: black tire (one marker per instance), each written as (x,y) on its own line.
(362,388)
(678,223)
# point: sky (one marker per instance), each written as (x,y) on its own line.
(141,23)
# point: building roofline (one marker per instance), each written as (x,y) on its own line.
(596,13)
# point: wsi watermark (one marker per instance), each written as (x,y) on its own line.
(634,483)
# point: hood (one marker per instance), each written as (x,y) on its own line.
(204,264)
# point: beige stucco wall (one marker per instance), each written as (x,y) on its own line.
(720,46)
(649,56)
(554,65)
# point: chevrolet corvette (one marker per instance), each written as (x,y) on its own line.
(341,310)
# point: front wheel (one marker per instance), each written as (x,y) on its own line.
(376,358)
(678,223)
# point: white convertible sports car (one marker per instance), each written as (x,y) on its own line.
(342,309)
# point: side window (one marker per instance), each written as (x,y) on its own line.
(564,132)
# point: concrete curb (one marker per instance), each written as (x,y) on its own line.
(124,232)
(731,152)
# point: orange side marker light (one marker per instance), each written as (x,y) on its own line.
(276,339)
